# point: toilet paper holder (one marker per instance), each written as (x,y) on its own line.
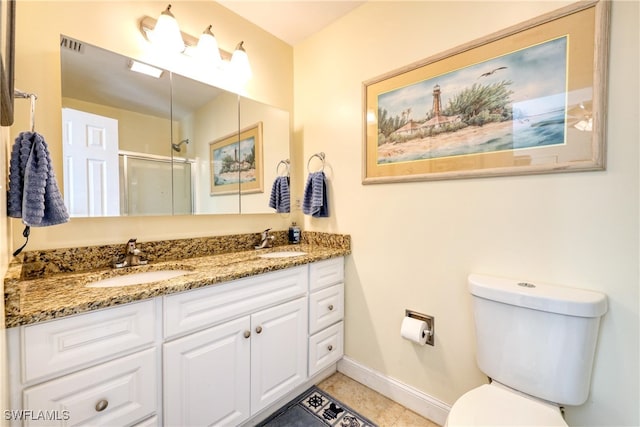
(430,321)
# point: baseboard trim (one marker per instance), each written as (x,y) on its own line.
(409,397)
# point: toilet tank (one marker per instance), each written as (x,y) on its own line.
(537,338)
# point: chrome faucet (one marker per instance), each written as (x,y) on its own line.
(265,240)
(133,256)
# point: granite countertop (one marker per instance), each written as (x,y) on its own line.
(54,296)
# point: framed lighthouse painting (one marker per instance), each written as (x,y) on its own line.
(529,99)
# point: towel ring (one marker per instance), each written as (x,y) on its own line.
(287,165)
(319,155)
(32,97)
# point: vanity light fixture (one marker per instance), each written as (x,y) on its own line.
(581,116)
(207,49)
(585,125)
(240,63)
(154,31)
(139,67)
(166,33)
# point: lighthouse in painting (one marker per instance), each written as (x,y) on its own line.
(436,101)
(438,119)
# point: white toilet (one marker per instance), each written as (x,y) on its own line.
(536,342)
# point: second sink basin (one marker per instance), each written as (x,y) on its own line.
(282,254)
(137,278)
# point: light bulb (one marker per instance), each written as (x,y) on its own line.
(207,49)
(166,33)
(240,63)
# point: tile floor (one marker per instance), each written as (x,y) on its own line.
(371,404)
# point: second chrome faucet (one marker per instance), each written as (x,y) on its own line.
(266,240)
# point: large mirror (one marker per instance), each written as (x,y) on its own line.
(134,144)
(7,47)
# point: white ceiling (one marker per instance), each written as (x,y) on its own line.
(291,21)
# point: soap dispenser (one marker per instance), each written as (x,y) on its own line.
(294,233)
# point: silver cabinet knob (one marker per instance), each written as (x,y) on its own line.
(102,405)
(329,347)
(247,334)
(258,329)
(330,307)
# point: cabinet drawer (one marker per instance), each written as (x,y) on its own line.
(127,386)
(76,342)
(149,422)
(326,307)
(325,348)
(326,273)
(196,309)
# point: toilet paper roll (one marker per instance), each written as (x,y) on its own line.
(414,330)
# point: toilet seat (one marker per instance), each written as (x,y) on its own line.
(494,404)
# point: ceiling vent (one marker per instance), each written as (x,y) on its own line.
(71,44)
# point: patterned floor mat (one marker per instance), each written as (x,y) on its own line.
(315,408)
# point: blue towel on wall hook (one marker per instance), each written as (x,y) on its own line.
(315,201)
(280,198)
(33,192)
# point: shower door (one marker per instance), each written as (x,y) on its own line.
(182,187)
(152,185)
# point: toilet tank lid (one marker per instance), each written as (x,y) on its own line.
(539,296)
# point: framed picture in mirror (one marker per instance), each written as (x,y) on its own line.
(236,161)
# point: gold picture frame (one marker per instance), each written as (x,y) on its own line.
(526,100)
(236,162)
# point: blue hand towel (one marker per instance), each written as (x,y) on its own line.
(280,198)
(33,191)
(314,200)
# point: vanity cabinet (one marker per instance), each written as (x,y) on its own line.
(228,372)
(216,355)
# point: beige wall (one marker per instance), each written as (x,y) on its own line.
(415,243)
(114,26)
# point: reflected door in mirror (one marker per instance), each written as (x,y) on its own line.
(90,151)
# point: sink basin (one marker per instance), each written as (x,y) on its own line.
(137,278)
(282,254)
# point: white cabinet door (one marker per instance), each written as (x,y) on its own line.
(206,376)
(278,353)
